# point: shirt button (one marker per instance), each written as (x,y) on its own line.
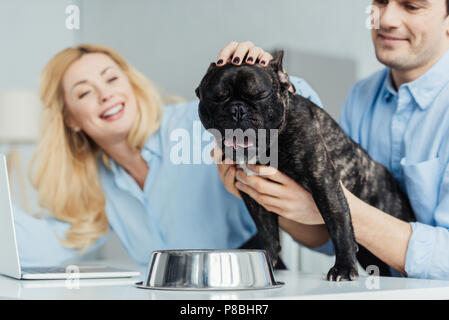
(403,161)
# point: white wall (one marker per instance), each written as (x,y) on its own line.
(173,41)
(30,33)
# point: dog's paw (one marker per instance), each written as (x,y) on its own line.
(339,272)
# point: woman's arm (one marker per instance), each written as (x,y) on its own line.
(38,244)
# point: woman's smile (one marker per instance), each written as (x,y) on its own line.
(114,112)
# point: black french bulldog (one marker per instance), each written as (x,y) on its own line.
(312,149)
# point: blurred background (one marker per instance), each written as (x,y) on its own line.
(172,42)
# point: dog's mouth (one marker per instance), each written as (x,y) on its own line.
(233,142)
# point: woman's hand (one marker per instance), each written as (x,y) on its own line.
(243,52)
(280,194)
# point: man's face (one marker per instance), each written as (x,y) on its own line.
(412,33)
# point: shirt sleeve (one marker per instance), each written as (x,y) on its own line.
(347,120)
(38,244)
(327,248)
(427,253)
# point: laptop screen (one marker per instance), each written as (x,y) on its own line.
(9,256)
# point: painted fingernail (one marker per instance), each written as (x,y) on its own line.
(220,61)
(263,62)
(250,59)
(236,60)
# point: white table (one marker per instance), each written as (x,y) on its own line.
(298,285)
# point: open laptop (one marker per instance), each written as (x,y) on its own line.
(9,254)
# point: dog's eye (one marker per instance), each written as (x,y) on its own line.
(220,97)
(259,96)
(264,95)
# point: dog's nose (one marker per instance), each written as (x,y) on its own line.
(238,112)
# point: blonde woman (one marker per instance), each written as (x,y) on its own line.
(105,162)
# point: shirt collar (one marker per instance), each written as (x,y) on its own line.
(426,88)
(152,146)
(389,87)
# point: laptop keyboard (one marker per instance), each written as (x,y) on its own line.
(81,269)
(37,270)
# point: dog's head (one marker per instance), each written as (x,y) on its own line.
(237,103)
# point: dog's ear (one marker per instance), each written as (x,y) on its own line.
(276,65)
(211,66)
(197,91)
(276,62)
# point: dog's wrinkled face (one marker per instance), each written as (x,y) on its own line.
(236,102)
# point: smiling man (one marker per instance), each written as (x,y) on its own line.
(412,36)
(400,115)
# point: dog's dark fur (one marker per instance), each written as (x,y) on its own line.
(313,150)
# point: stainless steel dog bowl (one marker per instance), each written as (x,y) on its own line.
(209,270)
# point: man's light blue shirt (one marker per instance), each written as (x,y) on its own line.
(182,205)
(407,130)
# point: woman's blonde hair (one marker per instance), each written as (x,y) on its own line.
(64,168)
